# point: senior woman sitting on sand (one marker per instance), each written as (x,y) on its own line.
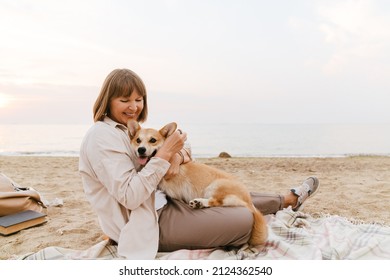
(131,210)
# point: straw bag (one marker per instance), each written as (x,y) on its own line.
(14,198)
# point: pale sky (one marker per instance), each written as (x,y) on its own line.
(282,61)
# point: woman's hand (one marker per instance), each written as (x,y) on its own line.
(172,145)
(175,162)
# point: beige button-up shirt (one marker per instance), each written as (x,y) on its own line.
(123,198)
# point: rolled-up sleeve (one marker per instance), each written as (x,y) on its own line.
(129,187)
(111,159)
(123,198)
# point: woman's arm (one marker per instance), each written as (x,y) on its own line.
(107,164)
(187,152)
(181,157)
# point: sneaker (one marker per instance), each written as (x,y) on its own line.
(307,189)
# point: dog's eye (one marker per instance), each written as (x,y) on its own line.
(152,140)
(138,140)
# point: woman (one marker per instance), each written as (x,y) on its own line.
(130,209)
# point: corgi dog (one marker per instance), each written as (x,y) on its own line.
(197,184)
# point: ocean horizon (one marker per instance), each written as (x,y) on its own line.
(209,140)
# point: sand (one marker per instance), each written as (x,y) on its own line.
(354,187)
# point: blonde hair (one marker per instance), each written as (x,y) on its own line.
(119,83)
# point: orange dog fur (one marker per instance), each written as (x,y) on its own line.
(197,184)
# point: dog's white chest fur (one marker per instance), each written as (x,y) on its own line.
(179,187)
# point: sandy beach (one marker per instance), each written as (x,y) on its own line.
(357,188)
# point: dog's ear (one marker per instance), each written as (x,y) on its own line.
(168,129)
(133,126)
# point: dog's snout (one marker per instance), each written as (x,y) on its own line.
(141,150)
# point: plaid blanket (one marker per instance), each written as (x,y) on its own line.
(292,235)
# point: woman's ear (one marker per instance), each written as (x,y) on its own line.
(133,127)
(168,129)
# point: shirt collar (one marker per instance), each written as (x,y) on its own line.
(112,123)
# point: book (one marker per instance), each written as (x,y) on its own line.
(13,223)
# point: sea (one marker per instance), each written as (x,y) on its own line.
(209,140)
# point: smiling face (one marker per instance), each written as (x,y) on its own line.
(123,109)
(147,141)
(122,97)
(146,144)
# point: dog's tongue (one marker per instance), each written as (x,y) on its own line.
(142,160)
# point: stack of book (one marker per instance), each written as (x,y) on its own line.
(13,223)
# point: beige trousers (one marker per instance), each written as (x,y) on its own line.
(182,227)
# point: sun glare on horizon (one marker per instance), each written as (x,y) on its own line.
(4,100)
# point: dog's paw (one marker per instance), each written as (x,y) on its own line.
(196,204)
